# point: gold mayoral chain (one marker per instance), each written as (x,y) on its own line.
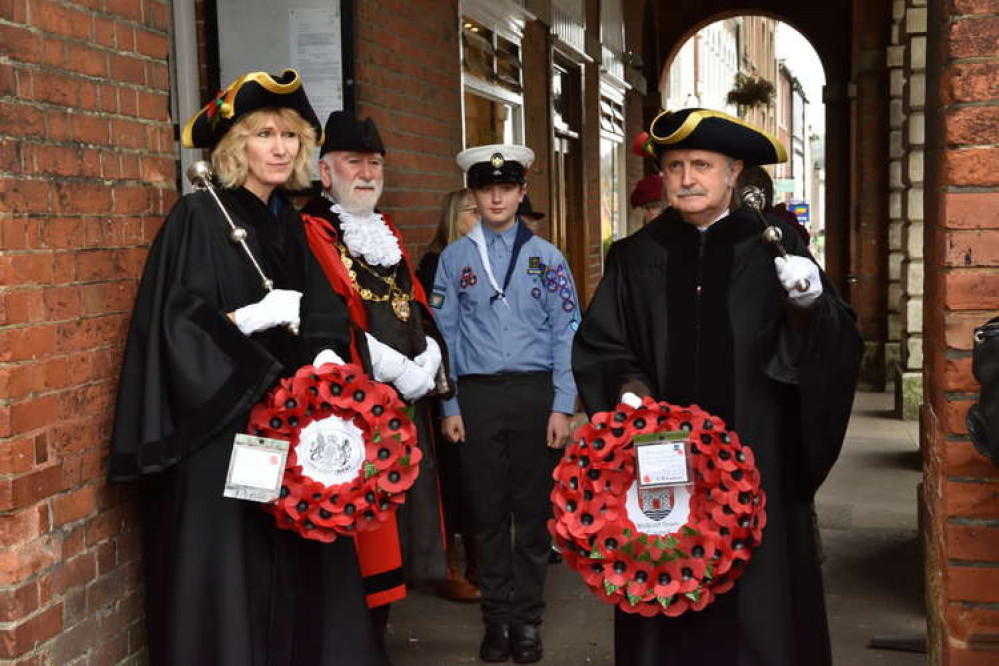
(398,298)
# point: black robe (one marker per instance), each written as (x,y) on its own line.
(783,378)
(224,586)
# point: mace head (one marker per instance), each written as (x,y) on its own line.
(753,197)
(199,174)
(772,234)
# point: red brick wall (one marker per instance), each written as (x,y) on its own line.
(86,173)
(960,498)
(409,81)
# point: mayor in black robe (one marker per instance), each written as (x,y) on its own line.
(691,315)
(223,585)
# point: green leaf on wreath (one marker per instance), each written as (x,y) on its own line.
(660,544)
(369,470)
(628,550)
(404,461)
(633,600)
(688,531)
(665,601)
(672,541)
(596,555)
(644,539)
(694,596)
(645,557)
(397,437)
(627,533)
(411,412)
(377,437)
(610,588)
(709,572)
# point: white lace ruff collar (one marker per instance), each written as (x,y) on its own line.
(369,237)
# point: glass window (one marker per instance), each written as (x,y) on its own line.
(488,121)
(612,222)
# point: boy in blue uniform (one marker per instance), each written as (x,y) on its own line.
(507,309)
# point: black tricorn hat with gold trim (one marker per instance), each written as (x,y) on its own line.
(704,129)
(250,92)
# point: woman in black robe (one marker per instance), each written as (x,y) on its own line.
(223,585)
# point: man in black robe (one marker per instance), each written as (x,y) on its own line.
(696,308)
(358,256)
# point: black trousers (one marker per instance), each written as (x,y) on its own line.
(507,471)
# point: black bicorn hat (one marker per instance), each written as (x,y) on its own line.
(496,163)
(250,92)
(345,132)
(704,129)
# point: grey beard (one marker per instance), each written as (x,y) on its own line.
(347,204)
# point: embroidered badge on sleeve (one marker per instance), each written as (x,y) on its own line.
(436,300)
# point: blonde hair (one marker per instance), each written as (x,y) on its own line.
(229,156)
(447,226)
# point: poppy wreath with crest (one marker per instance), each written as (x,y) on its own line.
(345,397)
(649,574)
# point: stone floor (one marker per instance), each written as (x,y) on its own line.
(873,570)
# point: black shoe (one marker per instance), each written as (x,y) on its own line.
(525,643)
(495,646)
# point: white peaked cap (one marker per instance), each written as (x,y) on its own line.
(507,152)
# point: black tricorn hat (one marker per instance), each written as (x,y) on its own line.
(525,209)
(345,132)
(250,92)
(704,129)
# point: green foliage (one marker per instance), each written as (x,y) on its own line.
(749,91)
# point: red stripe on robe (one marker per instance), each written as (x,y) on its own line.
(378,551)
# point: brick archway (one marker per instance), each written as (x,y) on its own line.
(856,102)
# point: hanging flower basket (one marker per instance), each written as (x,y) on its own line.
(353,450)
(750,91)
(597,504)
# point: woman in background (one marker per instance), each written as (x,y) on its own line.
(458,214)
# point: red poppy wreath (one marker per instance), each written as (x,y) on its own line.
(353,451)
(657,550)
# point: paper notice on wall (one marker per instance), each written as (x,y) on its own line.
(315,46)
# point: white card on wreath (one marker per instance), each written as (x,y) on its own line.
(661,459)
(256,467)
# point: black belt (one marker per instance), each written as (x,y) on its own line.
(499,376)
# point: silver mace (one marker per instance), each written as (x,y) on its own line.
(200,176)
(754,198)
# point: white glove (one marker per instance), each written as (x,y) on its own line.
(277,308)
(631,400)
(793,269)
(388,365)
(430,359)
(326,356)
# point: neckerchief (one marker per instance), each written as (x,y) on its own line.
(478,237)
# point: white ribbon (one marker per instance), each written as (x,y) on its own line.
(479,239)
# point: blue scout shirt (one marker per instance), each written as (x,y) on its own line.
(529,328)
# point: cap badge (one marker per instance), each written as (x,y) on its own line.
(497,161)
